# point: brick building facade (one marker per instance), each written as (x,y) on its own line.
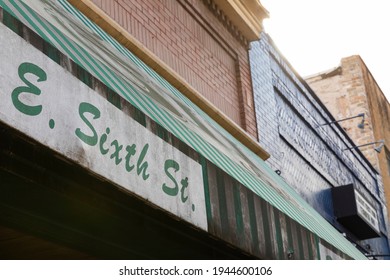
(308,155)
(121,141)
(196,40)
(348,90)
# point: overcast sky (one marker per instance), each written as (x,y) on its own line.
(315,34)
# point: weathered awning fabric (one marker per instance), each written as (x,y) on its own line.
(72,33)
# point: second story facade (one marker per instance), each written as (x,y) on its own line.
(202,43)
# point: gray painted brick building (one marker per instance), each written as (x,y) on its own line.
(309,156)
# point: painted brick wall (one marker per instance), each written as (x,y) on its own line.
(189,37)
(310,158)
(264,101)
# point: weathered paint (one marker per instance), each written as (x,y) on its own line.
(309,157)
(227,202)
(223,215)
(326,253)
(278,235)
(309,245)
(87,129)
(253,226)
(290,244)
(215,225)
(246,237)
(203,162)
(300,244)
(238,209)
(11,22)
(267,229)
(262,244)
(317,240)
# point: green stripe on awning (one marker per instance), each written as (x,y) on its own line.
(72,33)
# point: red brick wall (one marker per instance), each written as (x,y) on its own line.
(188,36)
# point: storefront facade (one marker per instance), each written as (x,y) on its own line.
(103,158)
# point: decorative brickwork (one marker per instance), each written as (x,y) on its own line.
(206,50)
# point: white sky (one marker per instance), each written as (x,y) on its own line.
(314,35)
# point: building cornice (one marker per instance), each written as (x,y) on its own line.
(246,15)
